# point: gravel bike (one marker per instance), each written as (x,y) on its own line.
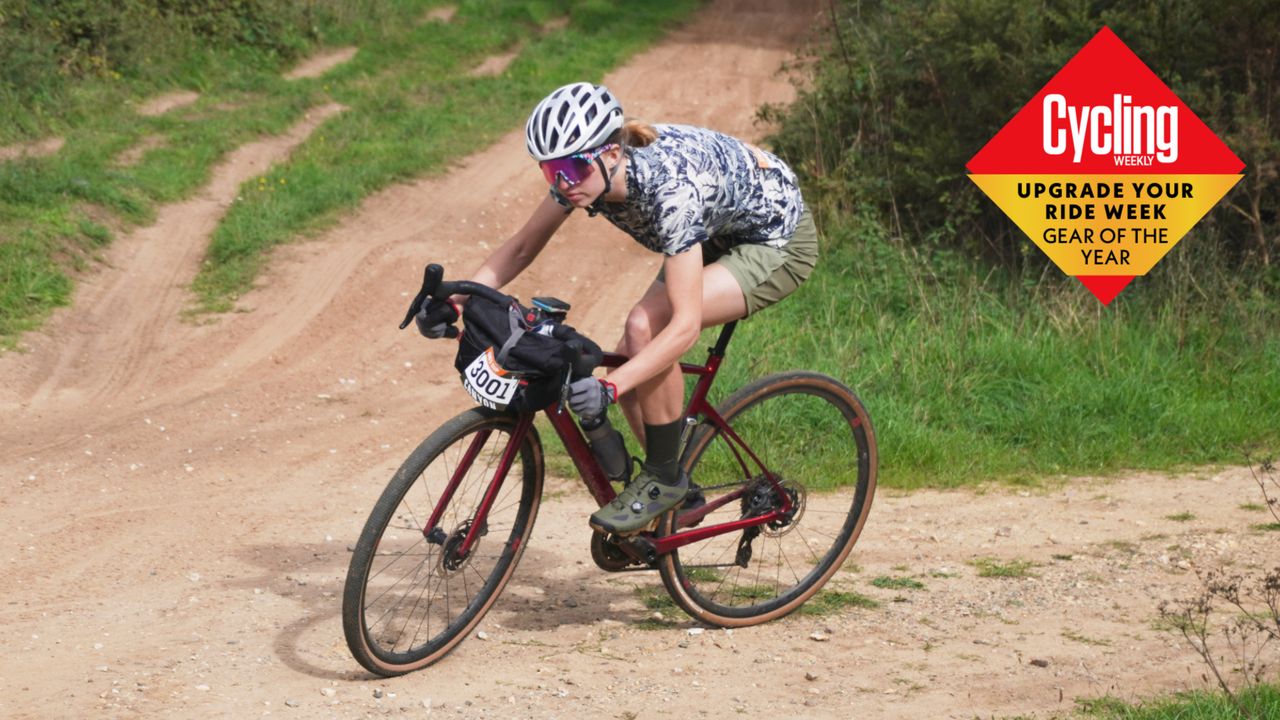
(784,470)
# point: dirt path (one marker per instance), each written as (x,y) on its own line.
(170,101)
(39,148)
(179,499)
(320,64)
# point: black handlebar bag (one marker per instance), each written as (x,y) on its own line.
(516,358)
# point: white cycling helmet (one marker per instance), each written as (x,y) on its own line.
(570,120)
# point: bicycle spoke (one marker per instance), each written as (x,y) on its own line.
(396,606)
(817,469)
(787,560)
(426,616)
(393,586)
(812,553)
(408,599)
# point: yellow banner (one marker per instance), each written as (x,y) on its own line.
(1105,224)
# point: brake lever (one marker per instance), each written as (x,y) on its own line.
(564,389)
(430,281)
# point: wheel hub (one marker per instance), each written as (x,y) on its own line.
(762,499)
(451,558)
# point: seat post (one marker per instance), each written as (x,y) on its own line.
(722,343)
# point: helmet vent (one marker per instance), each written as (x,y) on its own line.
(572,119)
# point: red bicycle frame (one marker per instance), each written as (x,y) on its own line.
(596,481)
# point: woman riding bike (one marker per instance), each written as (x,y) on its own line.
(730,222)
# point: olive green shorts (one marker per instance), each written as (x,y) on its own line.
(768,274)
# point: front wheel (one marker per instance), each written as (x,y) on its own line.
(814,436)
(411,593)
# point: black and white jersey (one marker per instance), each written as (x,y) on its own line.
(692,185)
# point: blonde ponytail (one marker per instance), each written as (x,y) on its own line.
(634,133)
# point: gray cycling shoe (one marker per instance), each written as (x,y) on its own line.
(642,502)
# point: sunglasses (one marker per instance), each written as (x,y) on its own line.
(573,169)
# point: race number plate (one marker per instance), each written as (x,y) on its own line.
(487,382)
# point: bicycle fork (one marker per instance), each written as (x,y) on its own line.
(478,523)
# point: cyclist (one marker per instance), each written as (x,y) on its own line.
(730,222)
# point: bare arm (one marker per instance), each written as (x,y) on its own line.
(518,252)
(684,290)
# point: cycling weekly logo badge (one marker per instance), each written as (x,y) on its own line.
(1105,169)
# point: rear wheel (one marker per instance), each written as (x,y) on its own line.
(411,595)
(813,434)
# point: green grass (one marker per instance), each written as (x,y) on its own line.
(830,602)
(972,375)
(1184,516)
(1124,546)
(897,583)
(412,109)
(1253,507)
(57,212)
(1262,702)
(421,112)
(1084,640)
(993,568)
(825,602)
(656,598)
(1267,527)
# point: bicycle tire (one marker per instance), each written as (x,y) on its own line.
(785,419)
(370,624)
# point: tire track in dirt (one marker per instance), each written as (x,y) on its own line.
(126,318)
(179,497)
(314,67)
(162,104)
(34,149)
(268,433)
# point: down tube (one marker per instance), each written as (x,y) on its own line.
(574,442)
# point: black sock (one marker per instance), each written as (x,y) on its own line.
(662,444)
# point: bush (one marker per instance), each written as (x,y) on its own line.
(900,95)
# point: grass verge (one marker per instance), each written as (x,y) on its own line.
(58,212)
(412,108)
(1262,701)
(972,375)
(415,115)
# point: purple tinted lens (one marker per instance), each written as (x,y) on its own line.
(572,170)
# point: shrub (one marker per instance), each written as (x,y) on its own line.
(899,95)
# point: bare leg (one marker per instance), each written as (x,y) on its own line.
(661,399)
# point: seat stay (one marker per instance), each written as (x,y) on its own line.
(738,447)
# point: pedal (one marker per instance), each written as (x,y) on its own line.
(695,498)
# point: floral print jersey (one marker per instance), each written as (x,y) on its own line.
(694,185)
